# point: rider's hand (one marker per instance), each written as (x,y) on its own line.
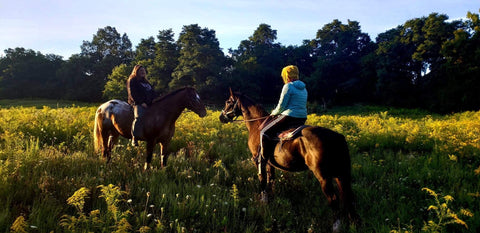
(144,105)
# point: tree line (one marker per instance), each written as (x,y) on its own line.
(428,62)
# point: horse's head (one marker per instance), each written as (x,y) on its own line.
(194,102)
(232,109)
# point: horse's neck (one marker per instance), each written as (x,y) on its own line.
(172,106)
(253,116)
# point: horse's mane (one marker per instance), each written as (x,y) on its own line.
(163,97)
(250,102)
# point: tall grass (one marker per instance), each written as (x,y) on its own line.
(47,164)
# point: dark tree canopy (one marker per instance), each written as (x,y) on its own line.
(429,62)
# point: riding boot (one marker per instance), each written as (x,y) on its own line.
(137,125)
(135,129)
(266,148)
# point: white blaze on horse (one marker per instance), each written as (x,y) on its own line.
(115,117)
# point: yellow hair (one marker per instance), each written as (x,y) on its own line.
(289,73)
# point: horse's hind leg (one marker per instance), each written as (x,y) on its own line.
(329,191)
(112,140)
(105,146)
(346,194)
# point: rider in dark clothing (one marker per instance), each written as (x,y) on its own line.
(140,95)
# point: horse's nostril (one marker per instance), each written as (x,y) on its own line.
(223,119)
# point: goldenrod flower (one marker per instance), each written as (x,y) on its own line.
(429,191)
(466,212)
(448,198)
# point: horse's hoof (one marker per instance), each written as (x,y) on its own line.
(337,226)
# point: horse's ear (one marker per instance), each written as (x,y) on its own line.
(231,93)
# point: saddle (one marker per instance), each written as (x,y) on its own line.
(284,136)
(291,134)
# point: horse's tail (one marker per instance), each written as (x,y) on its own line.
(335,147)
(97,131)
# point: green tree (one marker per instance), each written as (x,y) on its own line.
(339,49)
(394,85)
(145,50)
(201,61)
(25,73)
(258,64)
(166,59)
(410,61)
(145,55)
(457,88)
(107,50)
(116,86)
(76,79)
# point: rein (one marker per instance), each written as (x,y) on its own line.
(255,119)
(234,119)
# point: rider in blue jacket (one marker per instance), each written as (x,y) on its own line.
(291,110)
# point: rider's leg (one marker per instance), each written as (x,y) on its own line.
(267,135)
(137,127)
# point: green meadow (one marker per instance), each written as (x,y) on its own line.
(412,172)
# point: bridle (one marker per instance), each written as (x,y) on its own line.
(236,111)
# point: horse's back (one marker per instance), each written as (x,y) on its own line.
(116,114)
(330,147)
(324,134)
(116,107)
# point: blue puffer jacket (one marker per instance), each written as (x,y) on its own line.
(293,100)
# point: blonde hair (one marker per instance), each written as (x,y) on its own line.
(289,73)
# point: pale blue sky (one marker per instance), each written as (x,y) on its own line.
(60,26)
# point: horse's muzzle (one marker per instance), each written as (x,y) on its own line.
(224,119)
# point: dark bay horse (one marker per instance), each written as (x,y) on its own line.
(115,117)
(319,149)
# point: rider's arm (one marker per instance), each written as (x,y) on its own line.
(283,101)
(137,92)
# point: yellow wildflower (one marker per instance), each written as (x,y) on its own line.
(453,157)
(429,191)
(448,198)
(466,212)
(477,171)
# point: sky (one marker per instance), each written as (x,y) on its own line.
(60,26)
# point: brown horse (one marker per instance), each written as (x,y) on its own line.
(115,118)
(321,150)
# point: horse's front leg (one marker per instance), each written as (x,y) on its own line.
(148,160)
(261,165)
(164,152)
(270,179)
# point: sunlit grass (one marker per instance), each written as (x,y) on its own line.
(210,183)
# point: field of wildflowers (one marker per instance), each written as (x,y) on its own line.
(412,172)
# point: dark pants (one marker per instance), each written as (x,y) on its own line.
(137,125)
(272,128)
